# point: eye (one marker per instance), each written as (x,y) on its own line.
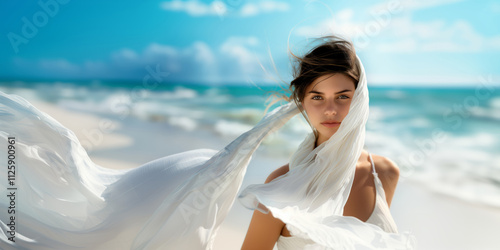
(344,97)
(317,97)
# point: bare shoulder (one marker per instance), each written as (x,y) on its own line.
(277,173)
(388,173)
(385,167)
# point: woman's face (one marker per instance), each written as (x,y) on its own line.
(326,102)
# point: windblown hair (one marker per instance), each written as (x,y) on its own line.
(332,56)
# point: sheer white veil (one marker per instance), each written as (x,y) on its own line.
(310,198)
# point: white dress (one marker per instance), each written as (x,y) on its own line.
(381,216)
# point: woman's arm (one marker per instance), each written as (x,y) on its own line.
(264,229)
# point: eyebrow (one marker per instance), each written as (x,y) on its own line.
(340,92)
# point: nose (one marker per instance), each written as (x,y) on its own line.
(330,109)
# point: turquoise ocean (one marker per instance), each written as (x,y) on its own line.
(446,139)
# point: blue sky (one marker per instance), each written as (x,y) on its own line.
(401,42)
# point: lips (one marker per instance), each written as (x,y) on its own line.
(330,124)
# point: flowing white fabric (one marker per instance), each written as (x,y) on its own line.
(381,217)
(65,201)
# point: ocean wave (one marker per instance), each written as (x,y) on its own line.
(183,122)
(114,104)
(298,125)
(395,94)
(146,109)
(479,139)
(480,190)
(463,165)
(495,103)
(26,93)
(178,93)
(419,122)
(485,113)
(228,128)
(244,115)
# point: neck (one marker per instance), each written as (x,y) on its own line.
(319,141)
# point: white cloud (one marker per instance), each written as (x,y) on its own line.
(126,54)
(402,45)
(429,80)
(234,60)
(402,34)
(195,7)
(197,58)
(409,5)
(155,49)
(495,7)
(253,9)
(340,24)
(345,14)
(203,53)
(425,4)
(493,43)
(393,33)
(236,48)
(219,8)
(435,36)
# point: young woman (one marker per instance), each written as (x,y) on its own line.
(327,79)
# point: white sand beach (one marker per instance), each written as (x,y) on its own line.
(437,221)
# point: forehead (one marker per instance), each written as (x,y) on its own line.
(331,82)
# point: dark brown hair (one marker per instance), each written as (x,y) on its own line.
(332,56)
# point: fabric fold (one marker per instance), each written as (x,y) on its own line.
(68,202)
